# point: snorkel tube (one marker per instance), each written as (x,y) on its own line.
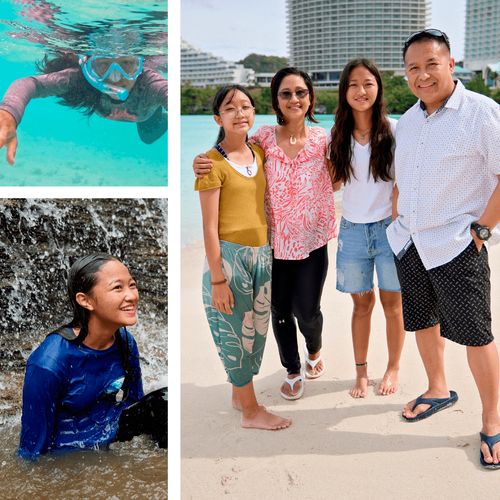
(112,75)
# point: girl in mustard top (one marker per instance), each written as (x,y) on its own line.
(237,277)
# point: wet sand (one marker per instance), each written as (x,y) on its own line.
(337,447)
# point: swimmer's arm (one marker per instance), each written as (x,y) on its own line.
(41,392)
(222,297)
(157,86)
(21,91)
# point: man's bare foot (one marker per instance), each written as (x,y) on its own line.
(410,412)
(293,386)
(489,458)
(314,365)
(262,419)
(360,388)
(389,384)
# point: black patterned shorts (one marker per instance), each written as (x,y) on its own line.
(456,295)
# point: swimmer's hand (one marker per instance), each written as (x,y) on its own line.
(8,135)
(202,165)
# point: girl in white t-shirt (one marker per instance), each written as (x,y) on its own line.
(361,154)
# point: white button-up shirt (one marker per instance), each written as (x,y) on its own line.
(446,171)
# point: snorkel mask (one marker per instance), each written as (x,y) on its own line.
(103,72)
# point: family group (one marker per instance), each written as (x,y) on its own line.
(421,197)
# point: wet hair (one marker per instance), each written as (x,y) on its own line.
(82,277)
(275,86)
(381,138)
(219,99)
(82,95)
(426,35)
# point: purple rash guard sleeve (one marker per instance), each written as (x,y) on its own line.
(21,91)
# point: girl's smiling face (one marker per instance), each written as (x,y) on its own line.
(362,89)
(114,297)
(236,113)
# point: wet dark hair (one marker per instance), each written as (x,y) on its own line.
(82,277)
(275,86)
(82,95)
(381,138)
(219,99)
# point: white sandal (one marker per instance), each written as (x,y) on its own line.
(291,382)
(312,363)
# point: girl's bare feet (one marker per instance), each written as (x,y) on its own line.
(389,384)
(360,388)
(260,418)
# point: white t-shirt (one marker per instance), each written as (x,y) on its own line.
(246,170)
(363,199)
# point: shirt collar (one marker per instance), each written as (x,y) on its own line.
(452,101)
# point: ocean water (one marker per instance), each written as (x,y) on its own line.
(198,134)
(59,146)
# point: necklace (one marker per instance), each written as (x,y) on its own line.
(293,139)
(362,134)
(248,168)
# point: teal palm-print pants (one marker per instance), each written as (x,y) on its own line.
(240,337)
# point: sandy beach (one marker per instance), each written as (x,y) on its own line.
(337,447)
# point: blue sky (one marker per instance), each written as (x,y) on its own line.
(218,26)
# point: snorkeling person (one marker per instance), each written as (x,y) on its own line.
(115,86)
(74,378)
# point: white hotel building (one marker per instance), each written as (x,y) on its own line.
(482,35)
(201,69)
(323,35)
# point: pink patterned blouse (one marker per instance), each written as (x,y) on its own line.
(299,196)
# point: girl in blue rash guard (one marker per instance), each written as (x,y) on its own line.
(73,378)
(116,87)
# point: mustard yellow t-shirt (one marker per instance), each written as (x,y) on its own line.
(242,218)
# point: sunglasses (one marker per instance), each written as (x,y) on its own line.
(432,32)
(287,94)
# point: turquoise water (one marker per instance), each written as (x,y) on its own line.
(58,146)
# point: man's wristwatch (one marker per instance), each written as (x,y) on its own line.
(482,232)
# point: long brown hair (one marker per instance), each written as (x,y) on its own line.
(381,138)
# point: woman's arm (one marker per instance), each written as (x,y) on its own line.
(156,87)
(41,393)
(222,297)
(395,194)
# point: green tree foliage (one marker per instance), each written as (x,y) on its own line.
(397,94)
(495,95)
(477,85)
(197,100)
(326,101)
(264,64)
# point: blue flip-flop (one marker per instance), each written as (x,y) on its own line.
(436,404)
(490,441)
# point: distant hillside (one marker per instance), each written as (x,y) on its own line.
(264,64)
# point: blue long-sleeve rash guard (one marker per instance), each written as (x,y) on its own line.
(68,393)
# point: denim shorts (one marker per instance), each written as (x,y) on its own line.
(361,247)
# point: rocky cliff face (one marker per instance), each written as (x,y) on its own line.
(40,239)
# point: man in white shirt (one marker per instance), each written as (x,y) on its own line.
(448,204)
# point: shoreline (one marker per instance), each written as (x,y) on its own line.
(337,445)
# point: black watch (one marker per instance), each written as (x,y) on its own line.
(482,232)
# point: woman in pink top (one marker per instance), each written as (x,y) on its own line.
(301,219)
